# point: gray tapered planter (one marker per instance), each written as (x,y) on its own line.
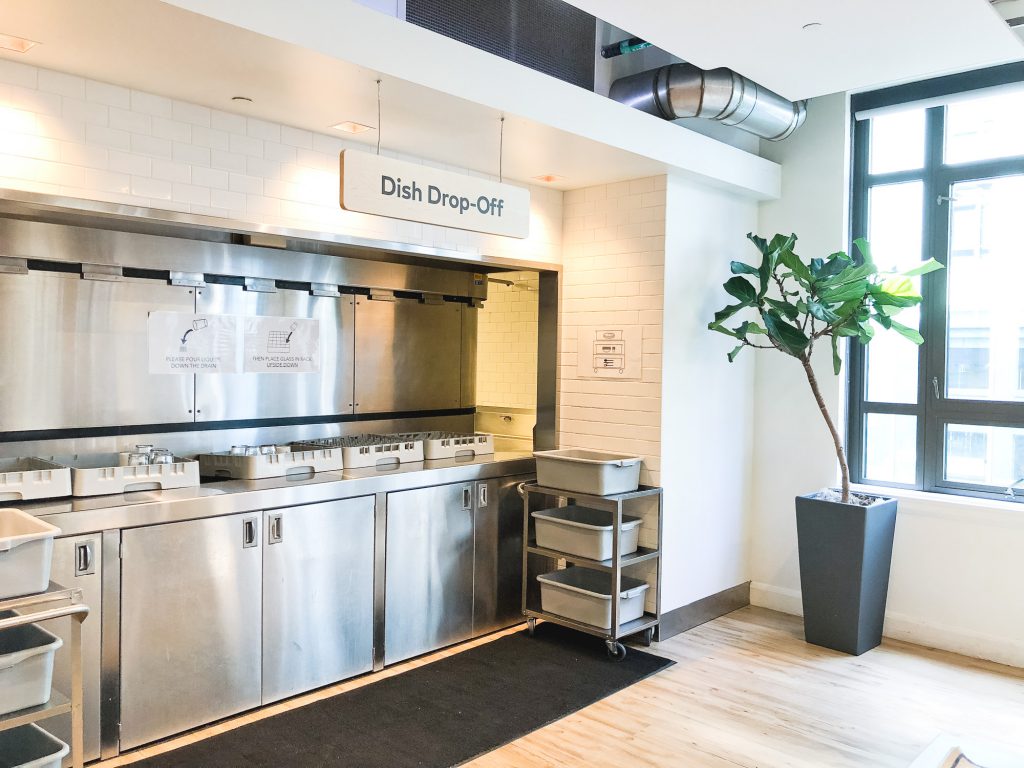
(845,554)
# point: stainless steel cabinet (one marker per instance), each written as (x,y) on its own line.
(408,355)
(274,395)
(428,570)
(77,564)
(75,353)
(317,595)
(498,554)
(190,624)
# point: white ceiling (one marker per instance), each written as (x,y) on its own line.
(163,49)
(860,44)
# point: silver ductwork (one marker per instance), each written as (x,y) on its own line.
(683,90)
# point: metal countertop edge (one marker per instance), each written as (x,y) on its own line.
(90,515)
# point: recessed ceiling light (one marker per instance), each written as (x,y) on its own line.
(348,126)
(812,25)
(549,177)
(16,44)
(241,98)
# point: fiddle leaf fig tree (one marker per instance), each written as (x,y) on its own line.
(795,304)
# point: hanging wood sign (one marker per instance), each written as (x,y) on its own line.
(398,189)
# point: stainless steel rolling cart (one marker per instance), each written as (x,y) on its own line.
(55,603)
(615,504)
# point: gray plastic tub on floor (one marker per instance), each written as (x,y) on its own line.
(585,595)
(29,746)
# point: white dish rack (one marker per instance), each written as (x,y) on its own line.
(448,445)
(30,478)
(104,474)
(365,451)
(302,460)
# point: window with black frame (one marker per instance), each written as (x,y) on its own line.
(939,172)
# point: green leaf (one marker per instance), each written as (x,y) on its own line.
(785,308)
(748,327)
(837,362)
(907,332)
(740,288)
(736,351)
(724,314)
(923,269)
(789,337)
(864,247)
(722,329)
(799,269)
(839,294)
(739,268)
(820,312)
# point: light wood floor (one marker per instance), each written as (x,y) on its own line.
(747,691)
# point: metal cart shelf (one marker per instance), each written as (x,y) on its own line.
(613,503)
(55,603)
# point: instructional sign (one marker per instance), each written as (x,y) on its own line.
(281,345)
(185,343)
(384,186)
(609,352)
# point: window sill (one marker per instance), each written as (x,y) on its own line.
(951,506)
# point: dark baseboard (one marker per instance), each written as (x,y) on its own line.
(707,608)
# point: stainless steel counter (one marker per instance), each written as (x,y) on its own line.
(130,510)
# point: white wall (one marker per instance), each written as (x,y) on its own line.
(65,135)
(506,362)
(957,563)
(707,405)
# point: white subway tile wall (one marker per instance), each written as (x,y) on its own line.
(613,255)
(506,371)
(65,135)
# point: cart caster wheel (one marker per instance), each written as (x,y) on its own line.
(531,626)
(616,651)
(648,637)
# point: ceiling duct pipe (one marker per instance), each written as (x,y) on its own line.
(683,90)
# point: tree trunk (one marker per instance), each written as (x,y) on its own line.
(844,468)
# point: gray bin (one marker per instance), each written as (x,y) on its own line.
(29,746)
(585,596)
(26,553)
(585,532)
(594,472)
(26,666)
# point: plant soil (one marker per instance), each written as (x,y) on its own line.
(833,494)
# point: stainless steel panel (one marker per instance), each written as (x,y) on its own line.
(317,596)
(429,570)
(110,646)
(75,353)
(408,355)
(274,395)
(190,626)
(66,571)
(545,433)
(82,238)
(498,554)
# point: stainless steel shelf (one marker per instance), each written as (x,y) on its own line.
(592,499)
(59,704)
(642,555)
(647,621)
(55,593)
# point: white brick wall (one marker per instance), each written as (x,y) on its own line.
(613,261)
(65,135)
(506,372)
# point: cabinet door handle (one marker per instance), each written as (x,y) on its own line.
(84,562)
(482,498)
(467,497)
(249,538)
(276,533)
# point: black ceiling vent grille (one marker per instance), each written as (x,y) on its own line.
(549,36)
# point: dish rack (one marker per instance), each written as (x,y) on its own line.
(30,478)
(104,474)
(362,451)
(260,466)
(448,445)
